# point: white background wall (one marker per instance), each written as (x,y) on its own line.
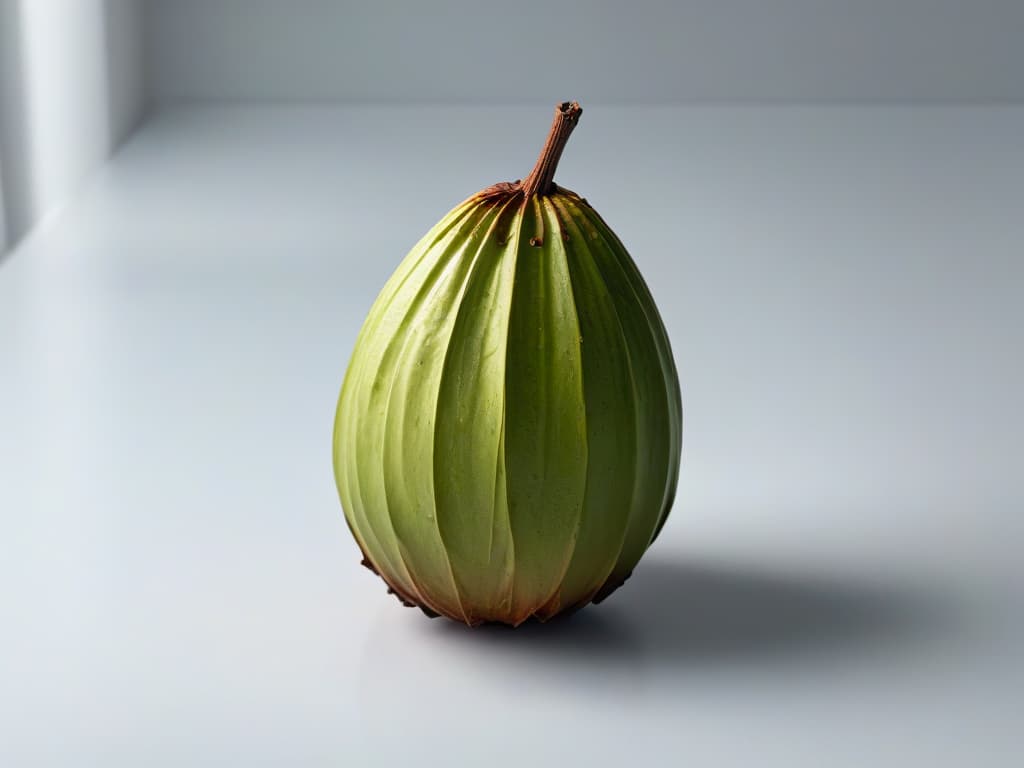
(77,75)
(599,51)
(72,86)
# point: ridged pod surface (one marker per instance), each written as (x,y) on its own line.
(507,439)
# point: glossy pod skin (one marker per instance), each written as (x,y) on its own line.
(507,439)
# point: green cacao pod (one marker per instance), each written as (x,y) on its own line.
(507,439)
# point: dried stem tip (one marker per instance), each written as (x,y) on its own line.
(541,178)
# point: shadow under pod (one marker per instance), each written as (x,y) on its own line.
(679,612)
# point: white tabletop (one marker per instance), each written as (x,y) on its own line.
(839,583)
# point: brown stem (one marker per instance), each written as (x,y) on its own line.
(541,178)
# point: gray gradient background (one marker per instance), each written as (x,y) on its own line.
(644,51)
(839,583)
